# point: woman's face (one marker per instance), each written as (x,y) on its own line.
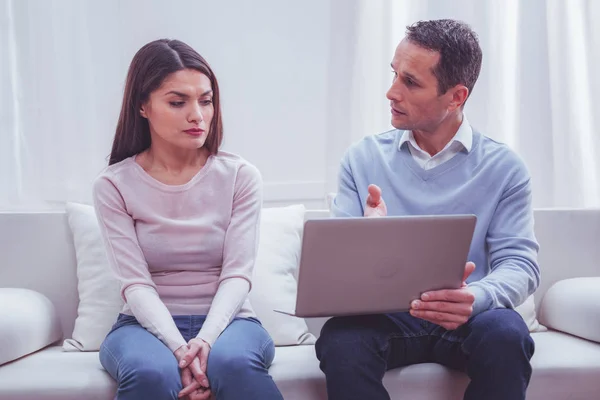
(180,111)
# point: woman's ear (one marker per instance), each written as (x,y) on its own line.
(143,112)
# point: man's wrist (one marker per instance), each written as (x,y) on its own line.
(483,301)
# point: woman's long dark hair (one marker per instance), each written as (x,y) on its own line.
(149,68)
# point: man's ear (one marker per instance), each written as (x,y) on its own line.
(459,96)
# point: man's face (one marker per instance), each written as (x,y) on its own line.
(414,98)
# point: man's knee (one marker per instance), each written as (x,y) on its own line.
(342,336)
(502,332)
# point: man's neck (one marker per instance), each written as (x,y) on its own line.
(434,141)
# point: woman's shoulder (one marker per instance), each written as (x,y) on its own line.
(115,173)
(236,165)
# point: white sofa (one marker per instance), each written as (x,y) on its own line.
(37,253)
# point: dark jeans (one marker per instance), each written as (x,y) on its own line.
(493,348)
(145,368)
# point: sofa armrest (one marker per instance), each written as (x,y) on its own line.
(573,306)
(28,322)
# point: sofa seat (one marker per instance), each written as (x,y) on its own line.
(52,374)
(561,363)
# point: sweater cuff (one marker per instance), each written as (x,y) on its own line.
(174,343)
(209,336)
(483,301)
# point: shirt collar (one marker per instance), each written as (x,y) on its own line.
(464,136)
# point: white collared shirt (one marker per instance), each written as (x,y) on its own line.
(463,139)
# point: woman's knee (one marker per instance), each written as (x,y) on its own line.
(159,380)
(231,364)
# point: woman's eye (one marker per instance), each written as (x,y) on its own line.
(176,103)
(206,102)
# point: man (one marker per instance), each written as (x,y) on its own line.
(434,162)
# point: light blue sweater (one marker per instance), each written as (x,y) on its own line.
(490,181)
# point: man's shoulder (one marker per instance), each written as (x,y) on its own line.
(374,144)
(501,155)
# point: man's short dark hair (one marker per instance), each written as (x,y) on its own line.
(458,45)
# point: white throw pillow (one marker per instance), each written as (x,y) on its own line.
(274,283)
(99,297)
(274,279)
(527,311)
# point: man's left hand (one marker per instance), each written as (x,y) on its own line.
(449,308)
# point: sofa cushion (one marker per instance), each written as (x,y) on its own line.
(564,367)
(581,295)
(99,297)
(274,277)
(53,374)
(28,322)
(274,281)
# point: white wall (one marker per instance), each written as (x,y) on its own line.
(272,59)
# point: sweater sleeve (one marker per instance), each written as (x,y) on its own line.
(128,264)
(227,302)
(239,254)
(514,271)
(347,201)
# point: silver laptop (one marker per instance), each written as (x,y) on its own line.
(352,266)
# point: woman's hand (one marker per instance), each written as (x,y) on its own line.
(192,359)
(191,388)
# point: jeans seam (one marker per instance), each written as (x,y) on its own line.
(451,339)
(392,336)
(263,347)
(107,350)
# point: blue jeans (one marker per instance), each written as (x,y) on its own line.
(493,348)
(145,368)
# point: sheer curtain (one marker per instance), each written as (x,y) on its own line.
(538,90)
(62,71)
(58,111)
(63,65)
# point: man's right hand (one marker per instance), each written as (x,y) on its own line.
(375,206)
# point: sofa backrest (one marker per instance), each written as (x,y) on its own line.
(37,252)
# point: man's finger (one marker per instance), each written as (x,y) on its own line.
(451,295)
(374,196)
(438,317)
(464,309)
(469,268)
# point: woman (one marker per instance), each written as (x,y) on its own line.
(179,219)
